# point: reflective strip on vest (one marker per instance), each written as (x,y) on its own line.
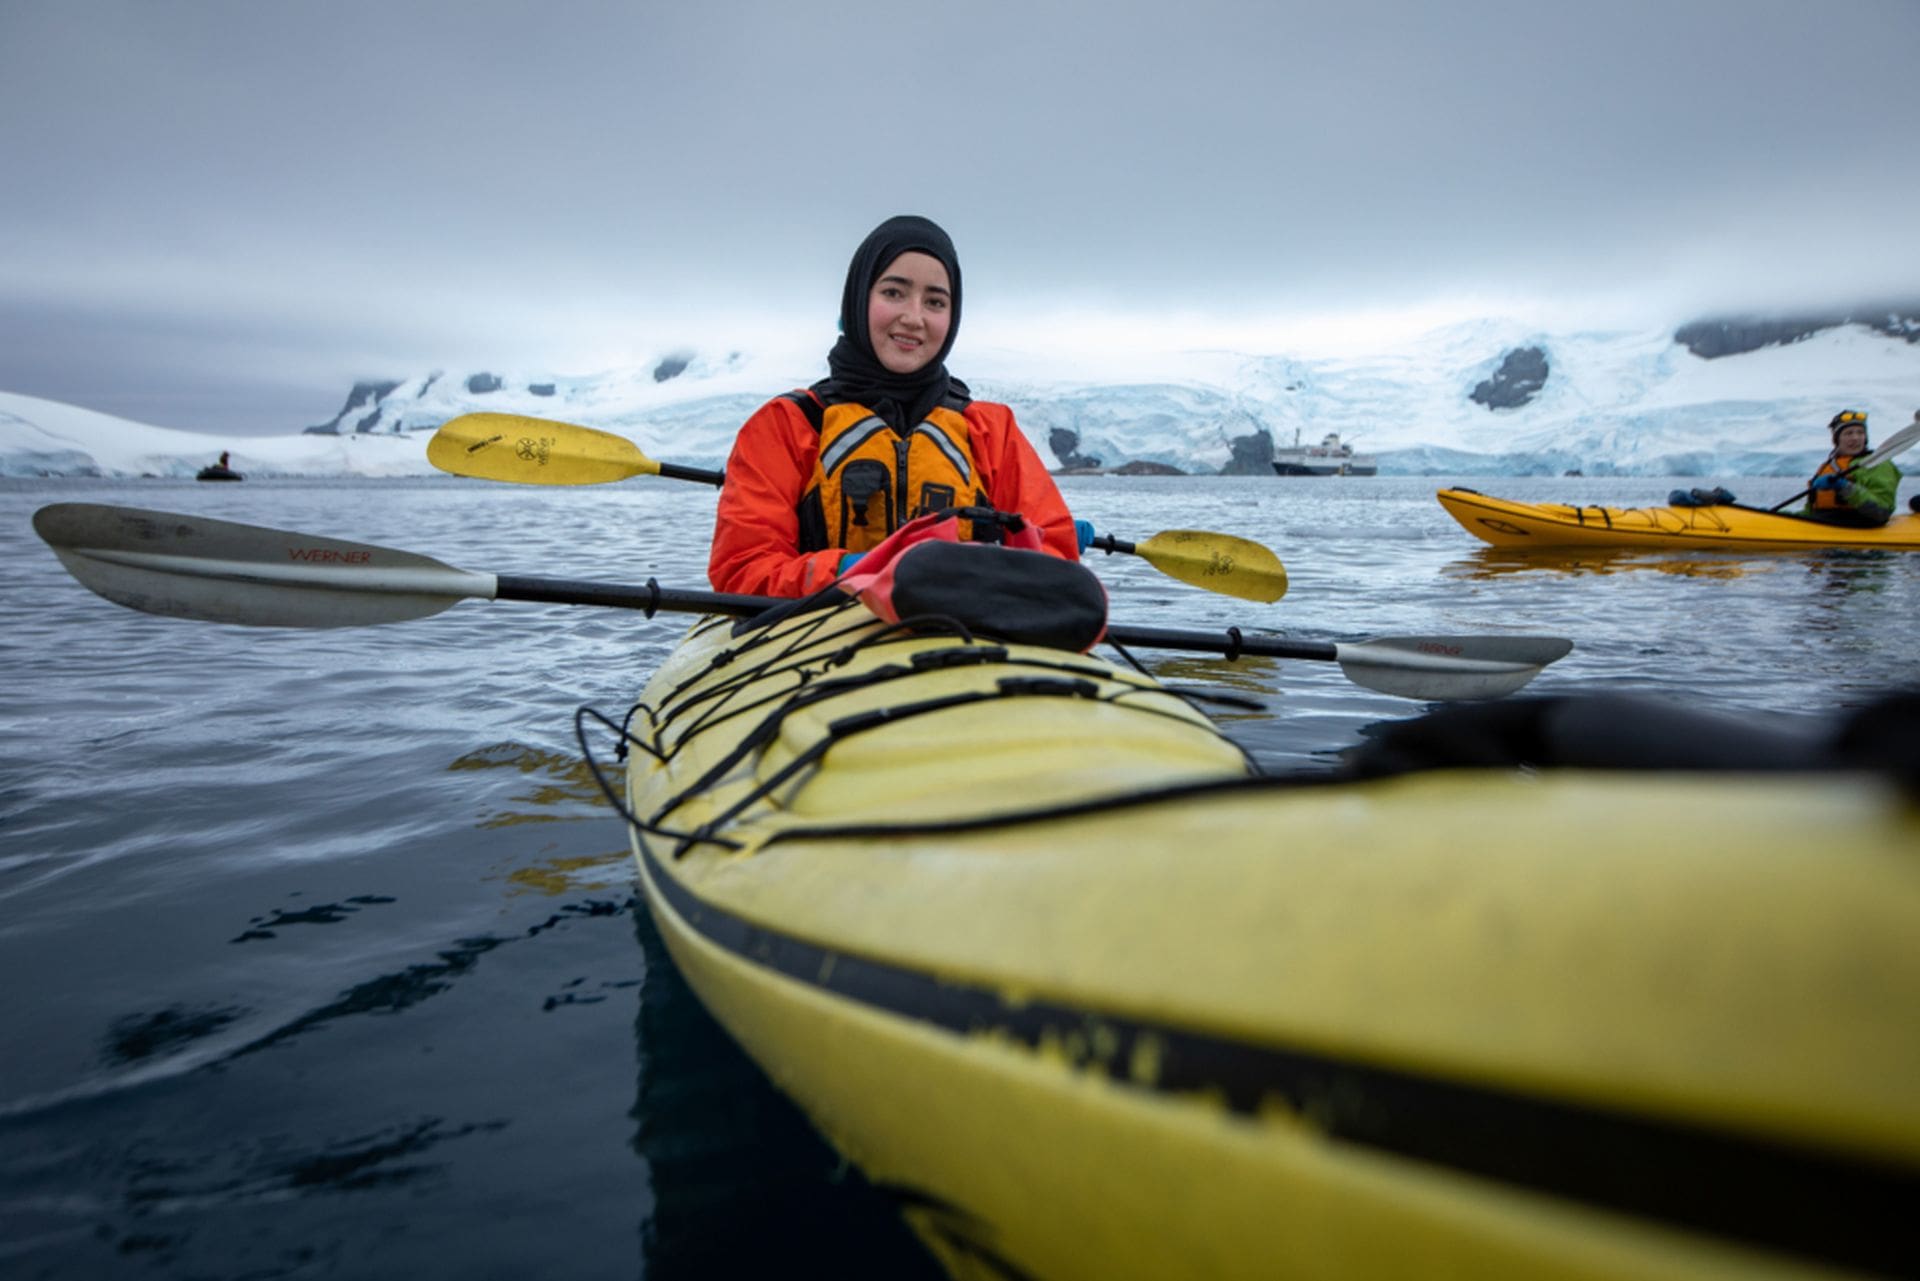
(957,458)
(835,451)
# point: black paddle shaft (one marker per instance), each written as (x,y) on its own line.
(1231,643)
(652,597)
(675,471)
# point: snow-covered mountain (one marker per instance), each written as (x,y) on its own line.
(1488,397)
(47,438)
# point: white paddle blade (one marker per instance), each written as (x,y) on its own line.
(218,571)
(1449,668)
(1895,445)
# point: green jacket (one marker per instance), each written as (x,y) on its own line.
(1869,491)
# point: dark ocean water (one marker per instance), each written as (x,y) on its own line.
(321,953)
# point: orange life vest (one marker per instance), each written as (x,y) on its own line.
(869,480)
(1830,498)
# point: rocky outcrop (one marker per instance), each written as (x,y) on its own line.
(1733,335)
(671,366)
(363,396)
(1252,455)
(1065,444)
(1522,373)
(386,408)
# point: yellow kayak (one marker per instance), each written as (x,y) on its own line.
(1728,527)
(1036,948)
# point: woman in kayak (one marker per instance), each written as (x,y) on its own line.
(820,475)
(1863,498)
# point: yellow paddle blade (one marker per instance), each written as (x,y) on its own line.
(534,451)
(1218,562)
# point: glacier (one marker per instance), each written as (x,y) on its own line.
(1624,403)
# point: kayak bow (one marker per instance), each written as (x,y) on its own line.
(1023,935)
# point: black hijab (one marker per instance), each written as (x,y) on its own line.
(855,372)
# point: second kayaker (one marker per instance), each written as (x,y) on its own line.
(819,475)
(1862,498)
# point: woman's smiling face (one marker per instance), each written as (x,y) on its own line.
(909,311)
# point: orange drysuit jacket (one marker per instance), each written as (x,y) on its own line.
(756,532)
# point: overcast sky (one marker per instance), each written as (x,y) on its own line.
(218,214)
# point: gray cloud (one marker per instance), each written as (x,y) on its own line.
(214,212)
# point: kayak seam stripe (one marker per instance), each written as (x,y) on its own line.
(1826,1206)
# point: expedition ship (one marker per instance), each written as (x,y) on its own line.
(1328,458)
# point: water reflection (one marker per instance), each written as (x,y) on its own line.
(742,1185)
(562,785)
(1496,562)
(568,874)
(1229,691)
(378,1132)
(135,1037)
(1852,570)
(1833,570)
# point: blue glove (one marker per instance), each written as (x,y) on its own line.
(847,562)
(1828,481)
(1083,534)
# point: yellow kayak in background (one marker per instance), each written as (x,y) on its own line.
(1035,946)
(1728,527)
